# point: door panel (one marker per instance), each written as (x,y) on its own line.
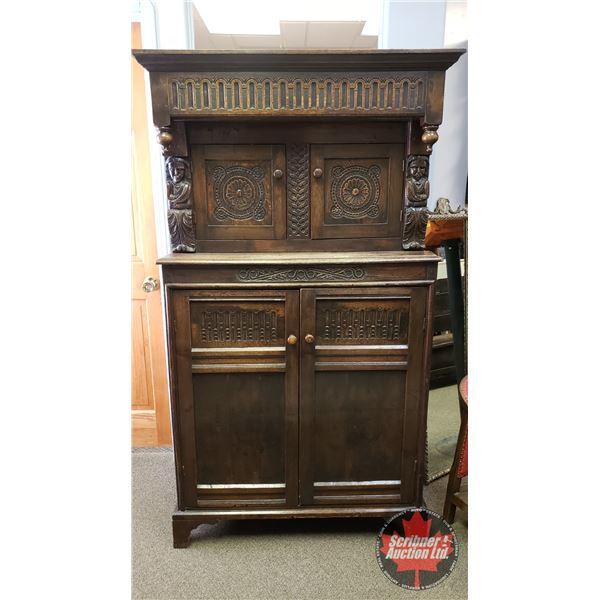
(239,191)
(356,190)
(360,394)
(150,418)
(238,393)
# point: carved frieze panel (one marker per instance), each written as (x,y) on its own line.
(400,93)
(362,322)
(219,324)
(282,274)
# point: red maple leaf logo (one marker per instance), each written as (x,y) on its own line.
(397,547)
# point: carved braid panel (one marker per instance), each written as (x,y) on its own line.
(214,325)
(298,191)
(350,323)
(180,217)
(218,93)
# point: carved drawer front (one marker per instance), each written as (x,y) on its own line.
(239,191)
(356,190)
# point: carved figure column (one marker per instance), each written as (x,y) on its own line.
(416,194)
(180,215)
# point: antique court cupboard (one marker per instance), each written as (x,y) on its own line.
(298,291)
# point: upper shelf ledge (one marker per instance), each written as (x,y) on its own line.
(298,60)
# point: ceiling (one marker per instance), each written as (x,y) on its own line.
(292,34)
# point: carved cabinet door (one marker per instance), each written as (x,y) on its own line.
(239,191)
(361,394)
(235,361)
(356,190)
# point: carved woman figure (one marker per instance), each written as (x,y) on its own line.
(179,186)
(417,185)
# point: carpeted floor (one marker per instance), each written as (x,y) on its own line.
(443,423)
(318,559)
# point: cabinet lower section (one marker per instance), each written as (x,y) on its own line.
(299,402)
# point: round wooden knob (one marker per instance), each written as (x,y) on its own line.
(309,338)
(292,339)
(318,173)
(278,173)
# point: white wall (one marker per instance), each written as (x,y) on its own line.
(437,24)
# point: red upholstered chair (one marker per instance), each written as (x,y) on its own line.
(454,495)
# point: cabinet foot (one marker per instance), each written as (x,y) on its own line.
(181,532)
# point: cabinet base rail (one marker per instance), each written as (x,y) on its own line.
(185,521)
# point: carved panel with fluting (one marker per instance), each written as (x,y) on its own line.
(221,324)
(362,321)
(293,93)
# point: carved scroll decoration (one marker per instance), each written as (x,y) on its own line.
(298,191)
(239,193)
(303,274)
(179,193)
(355,191)
(416,213)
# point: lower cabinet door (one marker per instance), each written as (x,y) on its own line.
(361,395)
(236,397)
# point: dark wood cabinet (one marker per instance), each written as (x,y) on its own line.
(298,292)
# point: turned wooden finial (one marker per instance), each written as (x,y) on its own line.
(165,139)
(429,137)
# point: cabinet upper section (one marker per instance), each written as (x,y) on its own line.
(375,83)
(297,150)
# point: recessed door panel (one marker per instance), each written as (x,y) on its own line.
(239,191)
(360,395)
(237,379)
(356,190)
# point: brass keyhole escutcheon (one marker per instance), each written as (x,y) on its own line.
(318,173)
(309,338)
(278,173)
(292,339)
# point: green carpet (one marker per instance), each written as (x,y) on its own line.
(443,422)
(316,559)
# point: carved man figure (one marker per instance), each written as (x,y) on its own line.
(417,185)
(179,186)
